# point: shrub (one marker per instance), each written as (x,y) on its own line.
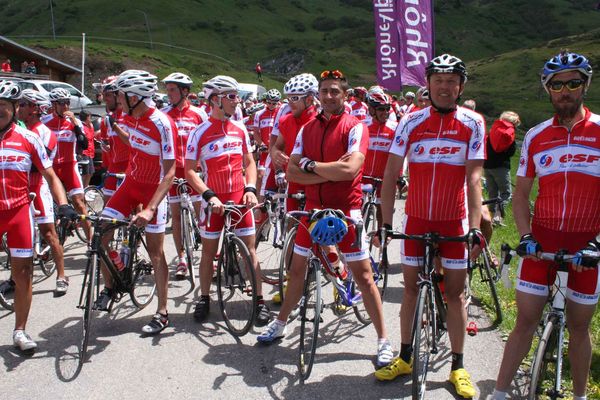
(324,24)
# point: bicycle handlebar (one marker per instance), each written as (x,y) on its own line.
(229,206)
(561,257)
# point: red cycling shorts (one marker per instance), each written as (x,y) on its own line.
(536,277)
(17,223)
(174,196)
(69,175)
(453,254)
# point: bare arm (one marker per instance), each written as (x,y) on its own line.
(344,169)
(193,179)
(277,152)
(163,186)
(393,168)
(250,167)
(474,169)
(295,174)
(520,202)
(123,135)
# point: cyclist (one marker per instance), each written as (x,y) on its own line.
(357,105)
(118,145)
(150,174)
(187,118)
(563,153)
(409,103)
(422,98)
(222,145)
(30,109)
(445,147)
(332,180)
(71,139)
(21,151)
(263,125)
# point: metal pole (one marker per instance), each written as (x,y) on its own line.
(83,65)
(148,27)
(52,17)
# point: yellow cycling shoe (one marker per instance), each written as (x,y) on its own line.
(396,368)
(461,380)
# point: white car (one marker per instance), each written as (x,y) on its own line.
(78,99)
(250,89)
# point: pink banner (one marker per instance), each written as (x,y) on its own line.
(404,34)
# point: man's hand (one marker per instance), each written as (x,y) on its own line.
(66,211)
(479,242)
(249,199)
(142,218)
(386,230)
(529,247)
(587,258)
(280,179)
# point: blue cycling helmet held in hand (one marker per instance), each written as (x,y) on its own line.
(328,227)
(566,61)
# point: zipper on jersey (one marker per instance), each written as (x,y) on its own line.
(228,158)
(434,166)
(564,210)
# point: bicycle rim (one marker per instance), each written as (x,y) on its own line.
(87,308)
(94,200)
(80,232)
(285,259)
(7,298)
(267,253)
(310,316)
(543,368)
(236,283)
(492,284)
(188,244)
(423,338)
(143,284)
(46,258)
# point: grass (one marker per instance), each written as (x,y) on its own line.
(509,234)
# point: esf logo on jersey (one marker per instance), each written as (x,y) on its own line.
(546,160)
(444,150)
(213,147)
(139,140)
(578,158)
(419,149)
(399,141)
(232,145)
(167,148)
(12,158)
(476,145)
(191,149)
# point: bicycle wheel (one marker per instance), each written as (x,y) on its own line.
(268,252)
(544,362)
(94,200)
(310,316)
(236,283)
(491,281)
(370,218)
(86,323)
(285,259)
(7,287)
(79,231)
(187,235)
(45,258)
(143,284)
(422,341)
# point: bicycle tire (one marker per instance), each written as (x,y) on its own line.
(188,243)
(285,259)
(422,338)
(544,355)
(93,199)
(78,228)
(310,317)
(267,254)
(370,218)
(86,323)
(7,299)
(236,283)
(492,284)
(46,259)
(380,279)
(142,284)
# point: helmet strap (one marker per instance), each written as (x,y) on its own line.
(130,107)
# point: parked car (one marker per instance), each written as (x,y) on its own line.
(78,99)
(250,89)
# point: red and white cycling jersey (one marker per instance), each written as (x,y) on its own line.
(152,140)
(283,110)
(289,126)
(49,140)
(187,119)
(567,165)
(63,128)
(327,140)
(220,147)
(359,109)
(20,151)
(437,147)
(119,150)
(264,121)
(381,137)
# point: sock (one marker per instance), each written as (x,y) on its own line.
(260,300)
(381,342)
(182,260)
(579,397)
(205,297)
(498,395)
(406,351)
(279,322)
(457,361)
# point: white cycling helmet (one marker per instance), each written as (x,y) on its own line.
(137,82)
(409,94)
(179,79)
(59,94)
(201,95)
(273,95)
(37,98)
(220,84)
(301,84)
(9,90)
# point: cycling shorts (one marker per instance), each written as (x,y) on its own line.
(244,226)
(127,198)
(351,253)
(262,160)
(535,277)
(452,254)
(17,223)
(43,204)
(68,173)
(174,196)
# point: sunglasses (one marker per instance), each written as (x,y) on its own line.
(64,102)
(294,99)
(383,108)
(230,96)
(573,84)
(335,74)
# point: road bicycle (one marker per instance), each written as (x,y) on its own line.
(236,279)
(546,370)
(135,278)
(190,231)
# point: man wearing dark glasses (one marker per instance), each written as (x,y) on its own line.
(564,154)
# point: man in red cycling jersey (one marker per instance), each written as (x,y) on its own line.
(263,126)
(445,148)
(22,151)
(358,103)
(187,118)
(223,147)
(71,138)
(564,154)
(149,175)
(332,180)
(30,110)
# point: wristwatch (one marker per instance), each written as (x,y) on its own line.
(310,167)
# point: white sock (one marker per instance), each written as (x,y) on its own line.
(382,341)
(182,260)
(498,395)
(279,322)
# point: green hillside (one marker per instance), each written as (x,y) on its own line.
(505,42)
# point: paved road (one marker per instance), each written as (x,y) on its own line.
(189,360)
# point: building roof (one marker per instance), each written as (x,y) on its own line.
(34,54)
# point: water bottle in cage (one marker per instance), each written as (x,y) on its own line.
(115,257)
(125,253)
